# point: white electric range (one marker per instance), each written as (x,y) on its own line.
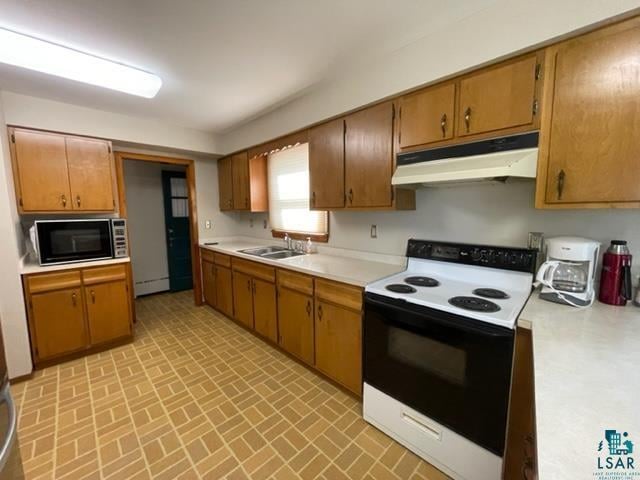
(438,352)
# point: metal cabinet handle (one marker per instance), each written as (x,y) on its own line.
(560,183)
(74,299)
(308,307)
(63,198)
(313,199)
(351,195)
(467,118)
(527,469)
(443,125)
(249,285)
(246,202)
(93,296)
(320,312)
(78,200)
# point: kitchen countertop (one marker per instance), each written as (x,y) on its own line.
(355,271)
(28,265)
(586,381)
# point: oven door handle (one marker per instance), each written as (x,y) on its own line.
(435,317)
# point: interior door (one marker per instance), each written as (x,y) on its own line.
(264,309)
(240,170)
(90,174)
(498,98)
(243,298)
(62,332)
(326,165)
(225,183)
(369,157)
(108,311)
(594,154)
(42,171)
(427,116)
(178,237)
(224,290)
(295,324)
(209,283)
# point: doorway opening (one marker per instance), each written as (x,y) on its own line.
(157,196)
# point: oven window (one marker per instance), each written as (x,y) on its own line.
(430,356)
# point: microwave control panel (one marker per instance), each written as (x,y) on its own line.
(119,235)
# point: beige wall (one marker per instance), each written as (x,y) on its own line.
(506,26)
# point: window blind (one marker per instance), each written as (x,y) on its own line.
(289,193)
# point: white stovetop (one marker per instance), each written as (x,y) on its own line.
(461,280)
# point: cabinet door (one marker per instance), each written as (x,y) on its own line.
(426,116)
(295,324)
(59,322)
(326,165)
(240,170)
(243,298)
(593,154)
(42,175)
(90,174)
(498,98)
(369,156)
(108,311)
(209,283)
(225,183)
(224,290)
(264,309)
(339,344)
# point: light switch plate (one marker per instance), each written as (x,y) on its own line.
(207,224)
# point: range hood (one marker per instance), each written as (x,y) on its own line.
(496,159)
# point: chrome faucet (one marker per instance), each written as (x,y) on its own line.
(287,241)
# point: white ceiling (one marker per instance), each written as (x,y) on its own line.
(222,62)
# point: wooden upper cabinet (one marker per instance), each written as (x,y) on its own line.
(40,171)
(90,174)
(326,165)
(590,155)
(62,173)
(243,183)
(426,116)
(369,158)
(225,183)
(498,98)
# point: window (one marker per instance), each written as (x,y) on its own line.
(289,196)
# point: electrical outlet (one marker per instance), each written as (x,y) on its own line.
(207,224)
(265,224)
(374,231)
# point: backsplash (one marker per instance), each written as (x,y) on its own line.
(483,213)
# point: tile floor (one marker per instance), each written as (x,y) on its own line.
(196,396)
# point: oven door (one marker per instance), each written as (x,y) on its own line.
(65,241)
(454,370)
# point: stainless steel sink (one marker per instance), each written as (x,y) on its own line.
(274,253)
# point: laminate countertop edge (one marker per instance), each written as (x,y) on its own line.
(28,266)
(586,381)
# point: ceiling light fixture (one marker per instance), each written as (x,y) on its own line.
(29,52)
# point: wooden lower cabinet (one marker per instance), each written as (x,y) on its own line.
(209,283)
(74,310)
(243,298)
(295,324)
(338,340)
(57,322)
(265,312)
(224,290)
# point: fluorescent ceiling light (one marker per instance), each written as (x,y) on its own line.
(34,54)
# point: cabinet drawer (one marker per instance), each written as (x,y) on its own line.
(255,269)
(53,281)
(222,260)
(295,281)
(206,255)
(348,296)
(110,273)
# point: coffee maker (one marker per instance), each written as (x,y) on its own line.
(567,276)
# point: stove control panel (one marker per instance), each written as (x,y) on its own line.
(506,258)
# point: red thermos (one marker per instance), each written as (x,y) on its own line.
(615,280)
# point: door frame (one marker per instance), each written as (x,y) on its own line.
(120,157)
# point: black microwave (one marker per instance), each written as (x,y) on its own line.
(79,240)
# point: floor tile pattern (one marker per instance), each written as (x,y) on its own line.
(196,396)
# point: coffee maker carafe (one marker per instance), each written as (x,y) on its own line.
(567,276)
(615,279)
